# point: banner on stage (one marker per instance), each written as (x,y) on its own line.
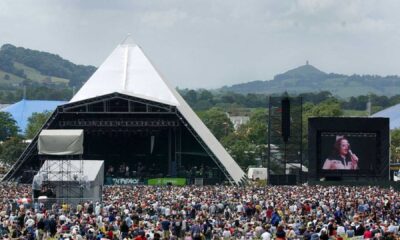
(125,181)
(167,181)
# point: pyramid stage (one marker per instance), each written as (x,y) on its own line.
(139,125)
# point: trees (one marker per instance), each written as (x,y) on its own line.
(11,150)
(395,146)
(249,141)
(240,149)
(328,108)
(256,128)
(217,121)
(8,126)
(35,123)
(191,97)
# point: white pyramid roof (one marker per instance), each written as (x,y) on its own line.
(128,71)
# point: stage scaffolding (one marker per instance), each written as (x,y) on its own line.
(67,178)
(286,156)
(60,175)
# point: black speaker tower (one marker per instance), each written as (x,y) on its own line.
(285,139)
(285,106)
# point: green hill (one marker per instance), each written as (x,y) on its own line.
(308,78)
(19,65)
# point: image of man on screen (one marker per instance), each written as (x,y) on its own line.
(342,157)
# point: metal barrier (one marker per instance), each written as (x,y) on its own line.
(65,204)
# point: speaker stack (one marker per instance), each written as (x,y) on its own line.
(285,106)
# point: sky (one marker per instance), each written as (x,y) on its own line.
(213,43)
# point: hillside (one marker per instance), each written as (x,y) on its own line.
(308,78)
(47,74)
(20,65)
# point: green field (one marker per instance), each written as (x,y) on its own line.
(36,76)
(12,78)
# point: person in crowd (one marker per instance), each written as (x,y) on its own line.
(200,212)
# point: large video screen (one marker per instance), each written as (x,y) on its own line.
(347,151)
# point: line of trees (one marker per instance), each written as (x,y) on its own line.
(246,144)
(36,92)
(204,99)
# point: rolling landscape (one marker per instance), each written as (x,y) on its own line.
(308,78)
(43,73)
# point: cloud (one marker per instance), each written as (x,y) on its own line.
(211,43)
(166,19)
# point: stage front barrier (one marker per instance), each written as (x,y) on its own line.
(179,181)
(65,204)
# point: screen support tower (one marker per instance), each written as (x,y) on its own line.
(285,139)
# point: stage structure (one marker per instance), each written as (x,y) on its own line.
(285,140)
(61,174)
(74,180)
(139,125)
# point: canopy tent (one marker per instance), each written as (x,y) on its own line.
(61,142)
(22,110)
(393,113)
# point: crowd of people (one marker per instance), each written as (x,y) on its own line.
(206,212)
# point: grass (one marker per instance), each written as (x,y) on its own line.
(13,78)
(36,76)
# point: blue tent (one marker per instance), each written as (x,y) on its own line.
(23,109)
(393,113)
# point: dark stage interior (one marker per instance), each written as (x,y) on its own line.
(136,139)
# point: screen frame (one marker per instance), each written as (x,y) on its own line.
(379,126)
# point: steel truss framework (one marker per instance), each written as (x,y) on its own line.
(65,177)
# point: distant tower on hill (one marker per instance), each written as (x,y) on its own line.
(307,63)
